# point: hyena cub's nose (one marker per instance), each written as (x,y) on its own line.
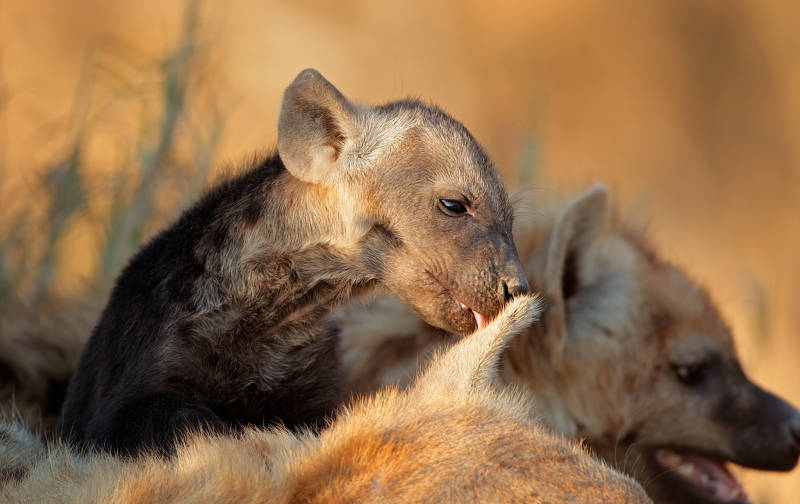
(514,287)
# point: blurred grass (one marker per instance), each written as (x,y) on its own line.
(153,179)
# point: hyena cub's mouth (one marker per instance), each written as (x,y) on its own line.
(480,320)
(707,476)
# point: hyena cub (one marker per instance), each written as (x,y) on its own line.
(452,436)
(219,321)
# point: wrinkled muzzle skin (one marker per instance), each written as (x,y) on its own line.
(477,272)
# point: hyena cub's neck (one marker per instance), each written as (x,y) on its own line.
(274,247)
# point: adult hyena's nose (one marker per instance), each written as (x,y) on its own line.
(770,438)
(794,433)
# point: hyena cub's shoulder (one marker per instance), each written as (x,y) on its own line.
(219,321)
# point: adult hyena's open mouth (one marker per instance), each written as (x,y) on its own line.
(704,475)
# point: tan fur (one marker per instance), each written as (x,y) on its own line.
(602,363)
(450,437)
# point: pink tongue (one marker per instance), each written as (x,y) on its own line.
(705,473)
(479,319)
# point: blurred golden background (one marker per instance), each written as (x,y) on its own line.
(688,110)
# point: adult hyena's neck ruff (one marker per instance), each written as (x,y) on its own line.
(218,320)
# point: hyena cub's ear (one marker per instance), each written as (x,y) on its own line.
(573,233)
(315,125)
(471,364)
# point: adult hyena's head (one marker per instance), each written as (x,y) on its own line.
(636,359)
(422,204)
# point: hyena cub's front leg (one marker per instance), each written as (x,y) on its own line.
(219,320)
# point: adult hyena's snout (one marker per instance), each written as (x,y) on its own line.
(793,435)
(770,438)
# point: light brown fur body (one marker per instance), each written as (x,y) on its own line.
(619,325)
(452,436)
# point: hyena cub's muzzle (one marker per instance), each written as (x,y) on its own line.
(470,298)
(511,281)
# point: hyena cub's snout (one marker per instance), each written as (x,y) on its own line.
(513,281)
(503,278)
(491,276)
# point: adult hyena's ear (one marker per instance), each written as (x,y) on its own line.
(573,233)
(316,124)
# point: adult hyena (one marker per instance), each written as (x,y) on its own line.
(630,355)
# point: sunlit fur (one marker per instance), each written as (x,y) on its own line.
(601,363)
(449,437)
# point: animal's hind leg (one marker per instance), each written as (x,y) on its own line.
(154,423)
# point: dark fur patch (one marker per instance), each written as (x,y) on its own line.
(54,395)
(7,373)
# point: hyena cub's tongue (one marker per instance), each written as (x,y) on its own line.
(479,319)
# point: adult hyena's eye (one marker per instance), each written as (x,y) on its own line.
(452,207)
(691,375)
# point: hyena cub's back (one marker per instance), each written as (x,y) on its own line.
(219,321)
(450,437)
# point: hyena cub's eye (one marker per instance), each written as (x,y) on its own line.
(691,374)
(452,207)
